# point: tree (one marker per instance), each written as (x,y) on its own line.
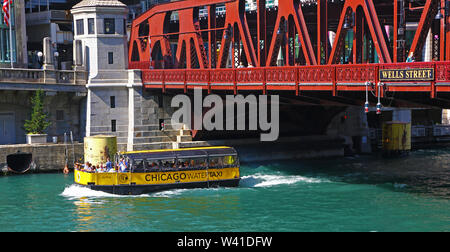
(39,119)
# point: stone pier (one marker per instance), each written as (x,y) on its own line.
(46,157)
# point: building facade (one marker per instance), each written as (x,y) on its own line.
(19,39)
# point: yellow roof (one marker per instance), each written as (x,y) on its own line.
(182,149)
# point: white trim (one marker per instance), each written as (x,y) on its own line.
(222,84)
(352,84)
(316,84)
(280,84)
(250,84)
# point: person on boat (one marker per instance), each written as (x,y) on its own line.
(101,167)
(87,167)
(123,165)
(108,165)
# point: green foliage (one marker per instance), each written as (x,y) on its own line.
(39,119)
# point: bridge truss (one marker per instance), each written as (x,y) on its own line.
(289,47)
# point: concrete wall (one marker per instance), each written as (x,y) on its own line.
(46,158)
(351,124)
(102,114)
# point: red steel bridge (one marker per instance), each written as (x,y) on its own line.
(289,48)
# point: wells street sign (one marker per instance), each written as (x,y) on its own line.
(411,74)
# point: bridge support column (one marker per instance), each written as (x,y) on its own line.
(351,124)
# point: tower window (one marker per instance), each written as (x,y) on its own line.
(113,126)
(91,26)
(110,58)
(112,101)
(80,27)
(110,26)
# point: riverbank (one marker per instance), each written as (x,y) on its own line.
(48,157)
(51,157)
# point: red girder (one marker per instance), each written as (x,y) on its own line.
(429,12)
(287,9)
(235,17)
(349,11)
(332,78)
(196,45)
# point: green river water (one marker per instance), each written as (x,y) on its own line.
(362,193)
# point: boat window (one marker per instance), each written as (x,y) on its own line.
(151,164)
(216,162)
(184,163)
(230,161)
(167,163)
(199,163)
(138,165)
(191,163)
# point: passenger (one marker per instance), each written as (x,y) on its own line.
(101,167)
(123,165)
(86,167)
(192,165)
(109,165)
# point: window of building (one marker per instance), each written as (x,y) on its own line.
(80,27)
(112,101)
(110,25)
(91,26)
(5,47)
(110,58)
(59,115)
(113,126)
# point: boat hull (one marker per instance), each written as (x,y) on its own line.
(128,183)
(145,189)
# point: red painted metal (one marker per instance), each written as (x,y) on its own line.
(332,78)
(429,12)
(204,45)
(351,12)
(290,14)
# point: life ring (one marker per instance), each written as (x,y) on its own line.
(123,178)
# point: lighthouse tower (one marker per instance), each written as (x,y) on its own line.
(100,25)
(100,48)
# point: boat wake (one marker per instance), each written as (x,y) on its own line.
(257,180)
(266,180)
(76,191)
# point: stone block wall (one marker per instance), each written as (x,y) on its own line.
(47,157)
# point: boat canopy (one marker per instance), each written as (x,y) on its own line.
(181,153)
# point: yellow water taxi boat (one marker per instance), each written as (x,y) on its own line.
(157,170)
